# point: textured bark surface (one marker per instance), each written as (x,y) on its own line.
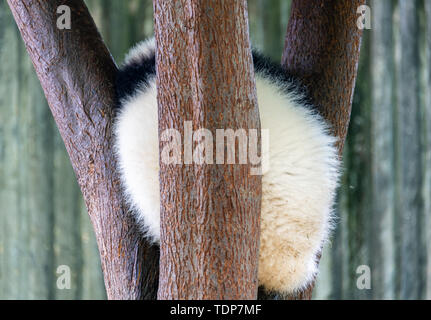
(209,213)
(322,49)
(77,73)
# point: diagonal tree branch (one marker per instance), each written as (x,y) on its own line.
(322,48)
(77,75)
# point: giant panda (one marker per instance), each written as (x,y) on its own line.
(297,190)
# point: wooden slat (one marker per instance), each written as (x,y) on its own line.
(408,154)
(427,149)
(382,152)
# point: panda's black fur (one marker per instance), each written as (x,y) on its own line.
(132,75)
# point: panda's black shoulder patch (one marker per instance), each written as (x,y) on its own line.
(132,75)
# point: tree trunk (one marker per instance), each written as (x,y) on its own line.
(209,212)
(322,49)
(77,73)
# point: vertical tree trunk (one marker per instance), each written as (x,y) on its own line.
(382,154)
(210,212)
(322,48)
(409,153)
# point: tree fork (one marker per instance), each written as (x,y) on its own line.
(77,72)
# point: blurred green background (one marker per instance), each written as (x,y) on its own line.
(384,202)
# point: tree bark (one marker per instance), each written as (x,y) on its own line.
(209,212)
(322,49)
(77,75)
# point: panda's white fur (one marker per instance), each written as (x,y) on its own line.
(298,189)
